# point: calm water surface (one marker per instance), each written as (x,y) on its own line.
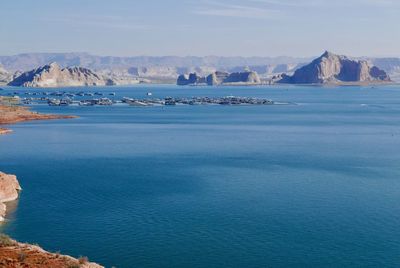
(315,184)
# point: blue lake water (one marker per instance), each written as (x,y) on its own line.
(315,184)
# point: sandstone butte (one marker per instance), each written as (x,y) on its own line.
(12,253)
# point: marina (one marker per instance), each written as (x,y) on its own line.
(64,98)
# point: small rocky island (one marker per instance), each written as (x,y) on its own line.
(220,78)
(330,68)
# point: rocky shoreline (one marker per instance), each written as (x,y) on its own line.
(9,190)
(14,254)
(15,114)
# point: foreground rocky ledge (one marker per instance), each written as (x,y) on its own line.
(14,254)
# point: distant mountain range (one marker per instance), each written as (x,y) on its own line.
(29,61)
(129,70)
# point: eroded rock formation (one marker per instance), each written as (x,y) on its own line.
(332,68)
(191,79)
(52,75)
(220,78)
(9,189)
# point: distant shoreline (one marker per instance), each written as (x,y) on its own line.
(360,84)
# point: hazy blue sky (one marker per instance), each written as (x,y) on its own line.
(201,27)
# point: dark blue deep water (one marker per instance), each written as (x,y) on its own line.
(315,184)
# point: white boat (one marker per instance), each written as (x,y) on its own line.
(138,103)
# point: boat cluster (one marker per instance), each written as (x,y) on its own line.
(91,102)
(60,93)
(229,100)
(62,98)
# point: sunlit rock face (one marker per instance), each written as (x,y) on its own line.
(220,78)
(332,68)
(9,189)
(5,76)
(52,75)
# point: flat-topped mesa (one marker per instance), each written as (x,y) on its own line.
(248,77)
(336,69)
(9,189)
(221,78)
(52,75)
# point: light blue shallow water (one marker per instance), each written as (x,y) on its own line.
(310,185)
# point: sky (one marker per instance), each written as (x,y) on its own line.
(301,28)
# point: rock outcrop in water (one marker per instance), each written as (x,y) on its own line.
(9,188)
(52,75)
(336,69)
(220,78)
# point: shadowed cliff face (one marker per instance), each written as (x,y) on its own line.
(331,68)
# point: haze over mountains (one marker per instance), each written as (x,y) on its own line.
(131,70)
(30,61)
